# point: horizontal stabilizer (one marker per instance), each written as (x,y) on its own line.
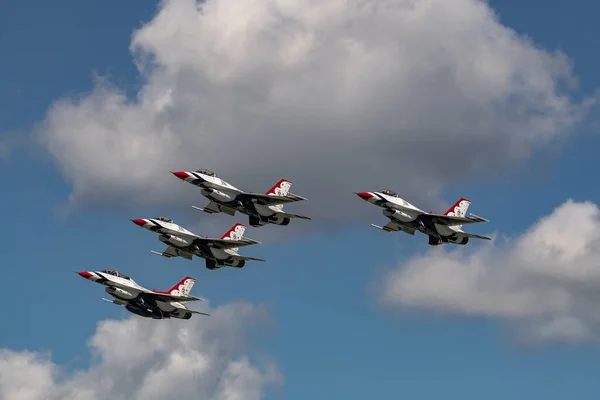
(198,312)
(477,218)
(248,258)
(295,216)
(472,235)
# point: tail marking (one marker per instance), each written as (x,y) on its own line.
(183,288)
(459,209)
(281,188)
(235,233)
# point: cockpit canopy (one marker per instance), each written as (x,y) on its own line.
(164,219)
(389,192)
(115,273)
(205,172)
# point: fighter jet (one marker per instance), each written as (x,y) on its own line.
(261,209)
(183,243)
(144,302)
(406,217)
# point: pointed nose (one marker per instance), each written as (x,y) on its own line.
(139,222)
(181,174)
(364,195)
(85,274)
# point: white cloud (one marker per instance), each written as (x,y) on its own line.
(139,358)
(545,283)
(338,96)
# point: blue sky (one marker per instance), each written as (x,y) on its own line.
(329,336)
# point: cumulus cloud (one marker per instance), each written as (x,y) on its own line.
(337,96)
(545,283)
(140,358)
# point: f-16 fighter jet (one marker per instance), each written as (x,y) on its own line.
(406,217)
(262,209)
(144,302)
(183,243)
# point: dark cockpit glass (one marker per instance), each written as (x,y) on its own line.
(389,192)
(164,219)
(205,172)
(115,273)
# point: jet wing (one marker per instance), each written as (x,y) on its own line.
(295,216)
(214,208)
(451,220)
(173,252)
(393,227)
(270,200)
(169,297)
(225,243)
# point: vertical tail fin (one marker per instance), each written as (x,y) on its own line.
(183,288)
(235,233)
(459,209)
(281,188)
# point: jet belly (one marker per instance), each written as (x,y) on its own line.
(169,306)
(445,230)
(265,211)
(220,254)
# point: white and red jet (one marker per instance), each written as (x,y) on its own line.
(261,209)
(142,301)
(183,243)
(406,217)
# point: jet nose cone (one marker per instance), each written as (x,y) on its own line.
(139,222)
(181,174)
(364,195)
(85,274)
